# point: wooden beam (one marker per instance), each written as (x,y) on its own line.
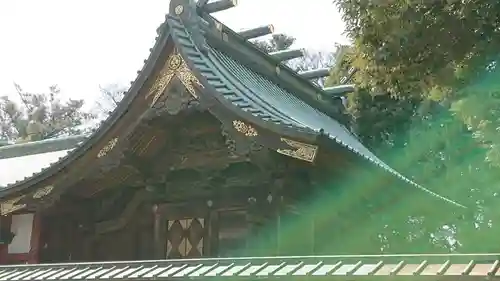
(287,54)
(315,73)
(202,3)
(257,32)
(339,90)
(35,247)
(220,5)
(158,234)
(124,218)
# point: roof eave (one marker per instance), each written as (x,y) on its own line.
(232,117)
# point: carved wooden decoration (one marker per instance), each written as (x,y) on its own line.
(174,67)
(245,129)
(107,148)
(185,238)
(302,151)
(43,191)
(11,205)
(130,210)
(177,100)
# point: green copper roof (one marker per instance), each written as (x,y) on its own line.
(256,94)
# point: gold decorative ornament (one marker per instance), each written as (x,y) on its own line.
(188,79)
(161,84)
(174,67)
(244,128)
(179,9)
(302,151)
(174,62)
(11,205)
(278,70)
(106,149)
(43,191)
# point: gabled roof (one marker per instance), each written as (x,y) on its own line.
(261,89)
(253,94)
(352,267)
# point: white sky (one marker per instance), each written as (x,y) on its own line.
(80,45)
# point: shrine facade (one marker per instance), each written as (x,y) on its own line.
(214,149)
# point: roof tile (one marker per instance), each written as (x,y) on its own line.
(351,267)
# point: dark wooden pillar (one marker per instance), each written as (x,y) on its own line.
(158,232)
(5,222)
(213,229)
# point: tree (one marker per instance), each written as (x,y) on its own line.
(377,118)
(277,42)
(427,90)
(415,45)
(432,49)
(39,116)
(109,98)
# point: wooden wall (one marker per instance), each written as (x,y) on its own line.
(241,210)
(72,235)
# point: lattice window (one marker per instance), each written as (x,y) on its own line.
(185,238)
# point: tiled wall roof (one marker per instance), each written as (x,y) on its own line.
(335,267)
